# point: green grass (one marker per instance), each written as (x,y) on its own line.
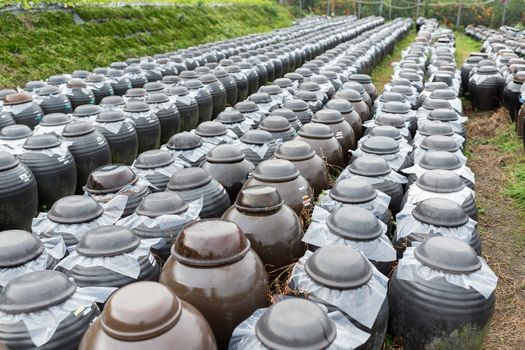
(382,73)
(464,46)
(74,3)
(37,45)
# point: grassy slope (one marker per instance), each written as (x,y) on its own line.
(37,45)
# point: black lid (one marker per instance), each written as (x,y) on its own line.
(294,151)
(86,110)
(353,191)
(188,178)
(153,159)
(275,170)
(370,165)
(341,105)
(361,78)
(184,141)
(136,107)
(280,326)
(47,90)
(106,241)
(440,160)
(439,143)
(257,137)
(380,145)
(15,132)
(74,210)
(448,255)
(350,95)
(110,178)
(39,142)
(328,116)
(17,247)
(315,131)
(230,116)
(487,70)
(36,291)
(296,105)
(246,106)
(338,267)
(260,97)
(440,212)
(443,115)
(211,129)
(258,199)
(436,104)
(395,107)
(161,203)
(136,92)
(275,123)
(114,100)
(440,181)
(435,128)
(111,116)
(158,97)
(386,131)
(354,223)
(225,154)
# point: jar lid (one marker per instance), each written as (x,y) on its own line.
(370,165)
(440,212)
(275,170)
(350,95)
(133,70)
(305,72)
(36,291)
(230,116)
(161,203)
(443,94)
(339,267)
(448,255)
(280,325)
(435,128)
(275,123)
(114,100)
(220,73)
(386,131)
(290,115)
(440,181)
(435,85)
(246,106)
(188,178)
(113,72)
(153,159)
(57,79)
(306,95)
(210,243)
(443,115)
(81,74)
(257,137)
(294,76)
(130,316)
(17,247)
(95,78)
(439,143)
(157,97)
(76,83)
(487,70)
(178,91)
(294,151)
(354,85)
(260,97)
(319,79)
(315,131)
(170,79)
(440,160)
(412,76)
(86,110)
(309,86)
(15,132)
(296,105)
(136,92)
(211,129)
(401,82)
(106,241)
(184,141)
(395,107)
(519,77)
(207,78)
(188,74)
(354,223)
(271,89)
(402,89)
(283,82)
(353,191)
(48,90)
(380,145)
(327,116)
(74,210)
(390,120)
(432,104)
(258,198)
(18,98)
(110,178)
(341,105)
(136,107)
(361,78)
(38,142)
(111,116)
(148,65)
(233,69)
(193,84)
(225,154)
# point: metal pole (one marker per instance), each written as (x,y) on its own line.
(506,5)
(458,19)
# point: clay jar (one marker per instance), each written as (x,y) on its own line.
(367,84)
(357,102)
(241,80)
(217,91)
(511,94)
(120,134)
(146,123)
(79,93)
(283,175)
(186,142)
(301,109)
(289,115)
(193,183)
(38,292)
(53,101)
(55,173)
(278,126)
(18,194)
(167,113)
(273,228)
(100,86)
(23,109)
(233,120)
(441,160)
(255,140)
(89,148)
(203,97)
(187,106)
(131,322)
(321,138)
(229,85)
(485,87)
(349,114)
(309,164)
(226,164)
(342,131)
(213,268)
(153,163)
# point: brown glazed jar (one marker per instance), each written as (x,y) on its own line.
(343,132)
(213,268)
(323,142)
(273,228)
(159,321)
(283,175)
(226,164)
(309,164)
(349,114)
(357,102)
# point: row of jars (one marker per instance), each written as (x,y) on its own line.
(102,240)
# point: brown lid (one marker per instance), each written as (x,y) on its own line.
(294,151)
(209,243)
(258,198)
(18,98)
(275,170)
(140,311)
(225,154)
(110,178)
